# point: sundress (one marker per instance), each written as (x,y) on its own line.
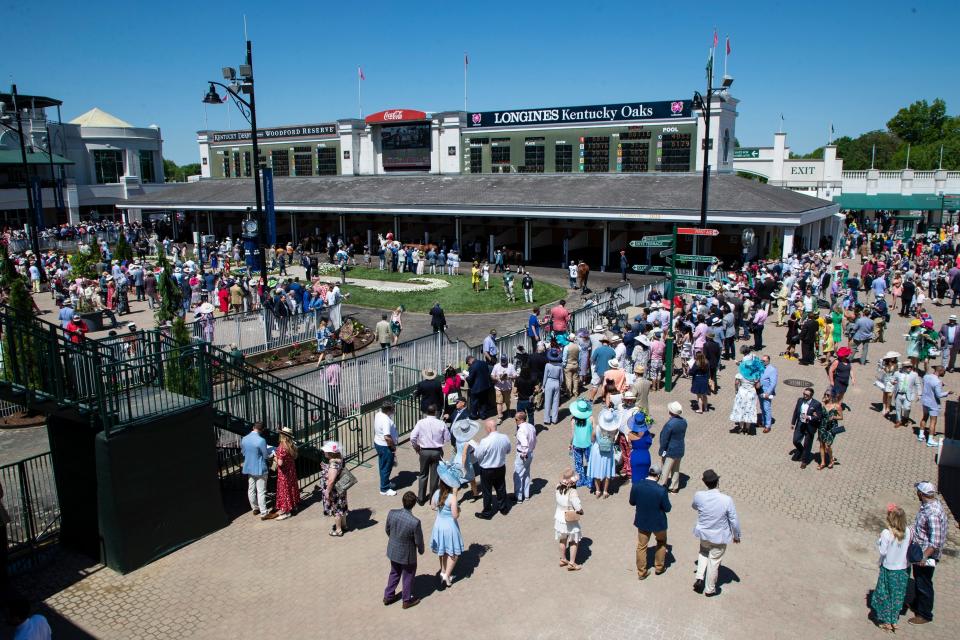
(745,404)
(887,598)
(337,503)
(446,539)
(288,491)
(825,430)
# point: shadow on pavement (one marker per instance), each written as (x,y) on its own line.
(470,559)
(361,519)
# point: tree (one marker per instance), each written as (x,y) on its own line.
(920,122)
(776,249)
(174,173)
(7,271)
(171,297)
(84,262)
(21,362)
(123,251)
(181,375)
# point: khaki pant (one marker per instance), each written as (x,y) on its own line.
(708,564)
(659,557)
(571,381)
(503,398)
(670,476)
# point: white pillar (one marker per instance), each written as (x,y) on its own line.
(526,240)
(491,248)
(606,245)
(396,227)
(293,229)
(787,242)
(457,234)
(343,227)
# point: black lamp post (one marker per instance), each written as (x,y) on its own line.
(34,232)
(704,104)
(249,110)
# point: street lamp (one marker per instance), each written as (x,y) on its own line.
(704,104)
(249,110)
(34,232)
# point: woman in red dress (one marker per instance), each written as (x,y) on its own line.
(223,297)
(288,491)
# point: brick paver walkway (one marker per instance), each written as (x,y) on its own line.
(804,569)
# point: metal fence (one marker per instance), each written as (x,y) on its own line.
(254,333)
(30,497)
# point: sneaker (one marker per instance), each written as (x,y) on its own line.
(388,492)
(932,442)
(283,516)
(920,436)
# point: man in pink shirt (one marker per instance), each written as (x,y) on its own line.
(560,317)
(658,349)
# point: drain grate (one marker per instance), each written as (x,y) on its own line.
(797,382)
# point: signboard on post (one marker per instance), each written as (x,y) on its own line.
(269,205)
(746,152)
(696,231)
(652,241)
(695,292)
(681,278)
(650,269)
(687,257)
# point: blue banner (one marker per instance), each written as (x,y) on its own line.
(58,196)
(37,203)
(268,202)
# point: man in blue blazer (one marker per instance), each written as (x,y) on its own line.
(652,505)
(256,458)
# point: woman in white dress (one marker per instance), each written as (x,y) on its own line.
(566,519)
(745,403)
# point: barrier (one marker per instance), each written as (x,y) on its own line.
(253,333)
(30,496)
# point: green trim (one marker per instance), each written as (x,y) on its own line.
(12,156)
(892,201)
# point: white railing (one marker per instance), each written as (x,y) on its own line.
(252,333)
(854,175)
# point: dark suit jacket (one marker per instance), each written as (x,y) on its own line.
(405,536)
(652,503)
(815,412)
(478,377)
(808,330)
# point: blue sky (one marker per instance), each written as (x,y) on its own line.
(851,63)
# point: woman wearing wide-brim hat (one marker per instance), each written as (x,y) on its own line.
(640,440)
(334,502)
(288,491)
(887,379)
(463,433)
(581,439)
(601,466)
(446,540)
(566,528)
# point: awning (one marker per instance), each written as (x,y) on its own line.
(12,156)
(889,201)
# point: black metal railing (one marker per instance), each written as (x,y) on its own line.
(30,497)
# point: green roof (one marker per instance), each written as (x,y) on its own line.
(12,156)
(891,201)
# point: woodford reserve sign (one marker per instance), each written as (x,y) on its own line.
(296,131)
(571,115)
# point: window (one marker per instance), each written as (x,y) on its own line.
(302,161)
(533,156)
(236,164)
(247,164)
(327,161)
(281,162)
(563,157)
(226,166)
(476,154)
(147,172)
(108,165)
(596,154)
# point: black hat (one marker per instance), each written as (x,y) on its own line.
(710,476)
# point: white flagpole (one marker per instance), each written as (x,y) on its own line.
(726,45)
(359,104)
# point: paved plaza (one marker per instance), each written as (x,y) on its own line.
(804,569)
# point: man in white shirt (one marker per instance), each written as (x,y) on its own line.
(428,437)
(385,438)
(717,524)
(333,300)
(491,454)
(526,443)
(503,375)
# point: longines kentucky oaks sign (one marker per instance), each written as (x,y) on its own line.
(596,113)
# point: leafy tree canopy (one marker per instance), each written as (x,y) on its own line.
(175,173)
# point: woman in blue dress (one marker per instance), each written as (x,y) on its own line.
(463,432)
(640,440)
(601,466)
(446,541)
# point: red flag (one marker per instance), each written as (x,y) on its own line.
(728,45)
(716,39)
(360,73)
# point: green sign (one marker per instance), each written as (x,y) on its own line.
(653,269)
(682,257)
(681,278)
(696,292)
(653,241)
(746,152)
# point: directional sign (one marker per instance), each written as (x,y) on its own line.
(681,278)
(695,231)
(667,252)
(696,292)
(653,241)
(652,269)
(684,257)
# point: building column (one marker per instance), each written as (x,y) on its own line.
(370,240)
(606,245)
(209,223)
(491,248)
(72,201)
(787,242)
(343,227)
(526,240)
(293,229)
(457,234)
(396,227)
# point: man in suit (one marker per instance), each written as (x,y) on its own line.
(405,542)
(949,343)
(808,338)
(481,386)
(652,505)
(807,415)
(255,459)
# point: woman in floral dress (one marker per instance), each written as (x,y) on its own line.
(334,502)
(744,414)
(832,417)
(288,491)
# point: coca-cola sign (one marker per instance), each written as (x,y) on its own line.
(396,115)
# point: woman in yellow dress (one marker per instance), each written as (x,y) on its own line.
(475,276)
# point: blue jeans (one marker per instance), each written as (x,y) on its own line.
(766,406)
(385,464)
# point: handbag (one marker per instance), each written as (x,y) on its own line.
(570,516)
(345,481)
(837,430)
(914,553)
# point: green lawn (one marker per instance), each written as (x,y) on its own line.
(457,298)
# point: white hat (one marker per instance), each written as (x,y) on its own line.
(675,408)
(616,338)
(613,363)
(598,328)
(609,420)
(926,488)
(206,307)
(330,446)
